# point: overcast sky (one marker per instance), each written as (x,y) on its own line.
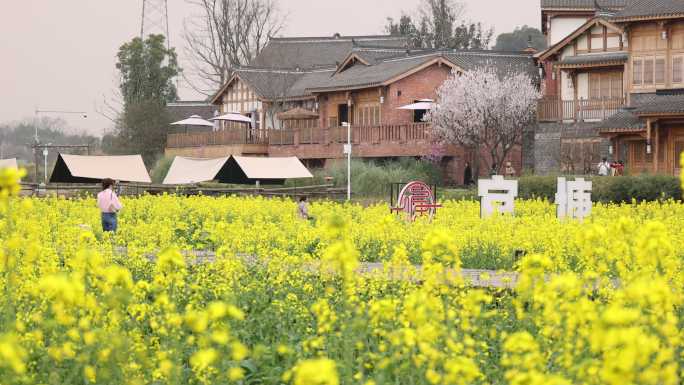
(60,54)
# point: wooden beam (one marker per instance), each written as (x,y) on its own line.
(656,149)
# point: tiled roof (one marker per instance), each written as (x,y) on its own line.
(595,58)
(316,52)
(183,109)
(581,4)
(503,62)
(624,120)
(650,9)
(667,102)
(361,75)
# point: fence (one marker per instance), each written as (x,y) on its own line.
(136,189)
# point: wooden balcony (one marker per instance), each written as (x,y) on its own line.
(387,133)
(390,140)
(215,138)
(554,109)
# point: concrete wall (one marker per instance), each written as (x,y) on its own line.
(561,27)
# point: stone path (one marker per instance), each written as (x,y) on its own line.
(472,277)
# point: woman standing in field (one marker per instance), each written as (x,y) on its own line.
(109,205)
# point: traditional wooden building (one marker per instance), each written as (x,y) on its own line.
(614,86)
(300,91)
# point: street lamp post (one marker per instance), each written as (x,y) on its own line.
(45,155)
(37,141)
(348,151)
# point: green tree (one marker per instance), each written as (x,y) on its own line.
(440,26)
(520,39)
(147,69)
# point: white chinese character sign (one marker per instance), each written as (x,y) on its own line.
(496,195)
(573,198)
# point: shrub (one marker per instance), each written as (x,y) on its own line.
(608,189)
(373,178)
(161,168)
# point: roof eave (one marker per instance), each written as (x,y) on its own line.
(611,63)
(647,18)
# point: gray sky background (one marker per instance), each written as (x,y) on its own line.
(60,54)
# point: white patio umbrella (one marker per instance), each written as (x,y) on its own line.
(422,104)
(194,120)
(233,117)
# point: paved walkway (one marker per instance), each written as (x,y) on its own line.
(472,277)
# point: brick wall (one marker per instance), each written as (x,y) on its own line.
(421,85)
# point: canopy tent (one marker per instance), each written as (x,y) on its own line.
(8,163)
(193,170)
(236,170)
(422,104)
(91,169)
(194,120)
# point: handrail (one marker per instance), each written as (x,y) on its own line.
(554,109)
(371,134)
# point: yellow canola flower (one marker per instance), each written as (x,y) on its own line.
(320,371)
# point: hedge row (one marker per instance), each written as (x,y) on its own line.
(604,189)
(609,189)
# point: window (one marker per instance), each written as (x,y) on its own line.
(637,72)
(648,71)
(605,85)
(660,70)
(368,115)
(677,64)
(616,85)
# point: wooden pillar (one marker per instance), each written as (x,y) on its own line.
(656,149)
(573,78)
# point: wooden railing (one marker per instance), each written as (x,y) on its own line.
(553,109)
(244,136)
(387,133)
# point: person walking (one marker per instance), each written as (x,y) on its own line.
(604,167)
(109,205)
(303,209)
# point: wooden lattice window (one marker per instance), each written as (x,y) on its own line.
(648,71)
(605,85)
(660,70)
(637,71)
(677,64)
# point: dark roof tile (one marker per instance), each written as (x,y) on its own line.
(308,53)
(595,58)
(638,9)
(581,4)
(658,103)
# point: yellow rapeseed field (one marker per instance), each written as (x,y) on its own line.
(598,302)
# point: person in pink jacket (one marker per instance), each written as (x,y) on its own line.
(109,205)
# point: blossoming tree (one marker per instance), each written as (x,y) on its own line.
(486,111)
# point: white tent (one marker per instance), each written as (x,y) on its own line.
(8,163)
(236,169)
(193,170)
(194,120)
(265,168)
(233,117)
(422,104)
(89,169)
